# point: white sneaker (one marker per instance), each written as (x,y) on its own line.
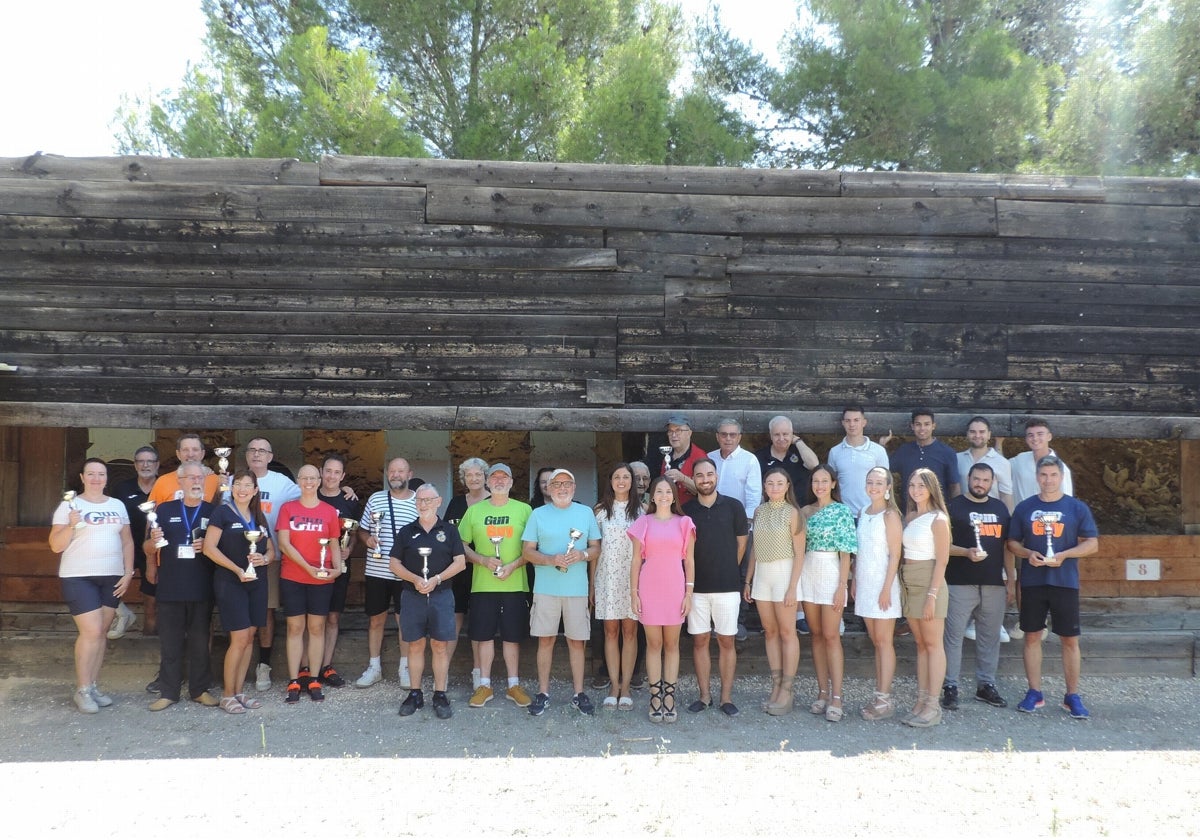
(83,699)
(369,678)
(405,679)
(969,633)
(1004,637)
(841,628)
(1016,632)
(476,676)
(102,700)
(124,619)
(262,677)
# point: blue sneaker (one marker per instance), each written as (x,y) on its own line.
(802,626)
(539,704)
(1032,702)
(1073,706)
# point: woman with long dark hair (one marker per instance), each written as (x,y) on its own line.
(619,508)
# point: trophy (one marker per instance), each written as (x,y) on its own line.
(152,519)
(1048,518)
(496,542)
(69,498)
(376,519)
(575,534)
(223,453)
(253,537)
(425,552)
(976,519)
(322,572)
(666,453)
(348,526)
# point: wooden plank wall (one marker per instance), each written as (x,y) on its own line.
(517,296)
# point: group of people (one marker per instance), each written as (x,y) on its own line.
(709,536)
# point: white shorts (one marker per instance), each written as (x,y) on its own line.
(771,580)
(714,611)
(819,578)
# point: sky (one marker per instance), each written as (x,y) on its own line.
(67,63)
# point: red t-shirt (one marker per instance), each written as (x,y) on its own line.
(686,467)
(305,527)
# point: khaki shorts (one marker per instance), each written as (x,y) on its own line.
(916,577)
(548,610)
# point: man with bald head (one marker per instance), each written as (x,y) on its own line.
(387,511)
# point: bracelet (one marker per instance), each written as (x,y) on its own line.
(439,580)
(932,593)
(690,584)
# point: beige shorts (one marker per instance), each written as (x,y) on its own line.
(771,580)
(714,612)
(916,576)
(549,610)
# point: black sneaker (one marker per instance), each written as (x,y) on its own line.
(988,694)
(601,681)
(331,677)
(583,703)
(637,682)
(539,704)
(441,705)
(314,690)
(154,686)
(415,700)
(293,692)
(949,699)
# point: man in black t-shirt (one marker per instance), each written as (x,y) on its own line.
(982,582)
(721,536)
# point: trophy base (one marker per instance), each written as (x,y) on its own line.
(161,544)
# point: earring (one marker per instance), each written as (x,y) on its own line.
(887,497)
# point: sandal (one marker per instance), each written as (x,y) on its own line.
(656,702)
(786,688)
(248,702)
(625,703)
(881,708)
(231,705)
(670,715)
(776,680)
(834,713)
(818,706)
(610,702)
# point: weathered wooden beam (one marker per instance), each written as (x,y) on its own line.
(1104,366)
(820,361)
(147,169)
(666,242)
(1178,191)
(720,214)
(676,265)
(1051,340)
(343,170)
(958,185)
(207,201)
(1122,222)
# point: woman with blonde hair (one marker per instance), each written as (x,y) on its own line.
(926,599)
(776,561)
(876,586)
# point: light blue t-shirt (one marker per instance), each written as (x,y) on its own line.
(550,528)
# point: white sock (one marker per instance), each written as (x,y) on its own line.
(374,663)
(485,682)
(403,661)
(513,681)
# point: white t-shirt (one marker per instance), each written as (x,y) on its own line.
(95,550)
(1002,471)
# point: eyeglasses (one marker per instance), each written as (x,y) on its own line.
(146,462)
(561,485)
(254,450)
(425,500)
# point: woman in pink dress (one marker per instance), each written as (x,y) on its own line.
(660,583)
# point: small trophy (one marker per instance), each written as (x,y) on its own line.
(575,534)
(348,526)
(223,453)
(425,552)
(666,453)
(152,518)
(69,498)
(500,563)
(253,537)
(376,520)
(1049,518)
(976,519)
(322,572)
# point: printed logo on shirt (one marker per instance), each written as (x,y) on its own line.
(313,524)
(101,517)
(988,525)
(1039,529)
(440,536)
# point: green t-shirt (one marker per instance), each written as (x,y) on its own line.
(484,520)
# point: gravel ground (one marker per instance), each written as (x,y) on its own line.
(1133,769)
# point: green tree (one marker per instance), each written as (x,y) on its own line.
(951,85)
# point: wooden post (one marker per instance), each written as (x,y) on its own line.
(1189,485)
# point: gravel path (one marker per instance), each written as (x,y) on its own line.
(1131,770)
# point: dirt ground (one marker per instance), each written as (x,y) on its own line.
(351,765)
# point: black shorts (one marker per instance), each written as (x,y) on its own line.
(1060,602)
(506,613)
(241,605)
(88,594)
(341,585)
(461,584)
(428,615)
(304,598)
(379,594)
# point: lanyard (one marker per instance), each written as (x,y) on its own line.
(187,521)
